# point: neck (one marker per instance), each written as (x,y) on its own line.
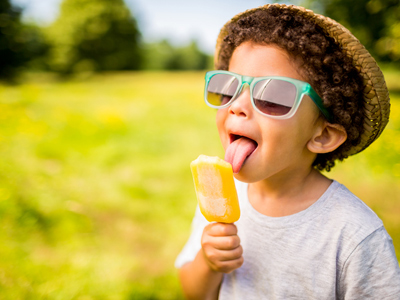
(278,197)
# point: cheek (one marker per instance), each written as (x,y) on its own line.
(220,121)
(283,137)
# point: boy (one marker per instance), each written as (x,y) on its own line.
(295,91)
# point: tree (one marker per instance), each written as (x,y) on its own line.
(157,55)
(93,35)
(376,23)
(189,58)
(163,56)
(13,54)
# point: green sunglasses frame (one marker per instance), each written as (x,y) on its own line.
(302,88)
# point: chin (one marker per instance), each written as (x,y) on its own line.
(245,176)
(241,178)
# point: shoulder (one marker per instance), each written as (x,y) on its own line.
(193,244)
(371,271)
(365,254)
(355,224)
(351,212)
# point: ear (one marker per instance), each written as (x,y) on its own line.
(327,138)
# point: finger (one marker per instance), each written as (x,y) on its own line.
(229,255)
(215,255)
(225,242)
(228,266)
(221,229)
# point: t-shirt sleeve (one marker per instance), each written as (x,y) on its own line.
(193,245)
(372,270)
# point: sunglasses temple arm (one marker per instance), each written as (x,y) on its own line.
(318,102)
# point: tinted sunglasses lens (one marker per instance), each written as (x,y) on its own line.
(221,88)
(274,97)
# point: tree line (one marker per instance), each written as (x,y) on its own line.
(376,23)
(88,36)
(102,35)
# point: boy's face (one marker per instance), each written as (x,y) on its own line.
(281,145)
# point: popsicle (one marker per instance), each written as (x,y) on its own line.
(215,189)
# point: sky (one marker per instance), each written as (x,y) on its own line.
(180,21)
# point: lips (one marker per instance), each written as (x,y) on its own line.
(239,149)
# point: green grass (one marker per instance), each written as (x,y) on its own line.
(96,195)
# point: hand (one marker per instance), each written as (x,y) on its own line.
(221,247)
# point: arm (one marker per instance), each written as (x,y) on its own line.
(372,270)
(198,280)
(221,252)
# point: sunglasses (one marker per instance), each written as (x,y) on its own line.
(273,96)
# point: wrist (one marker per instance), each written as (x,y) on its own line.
(199,280)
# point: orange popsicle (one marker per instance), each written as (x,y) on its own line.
(215,189)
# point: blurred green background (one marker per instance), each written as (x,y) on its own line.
(96,195)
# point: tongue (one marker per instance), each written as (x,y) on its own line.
(238,151)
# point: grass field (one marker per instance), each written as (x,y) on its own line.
(96,195)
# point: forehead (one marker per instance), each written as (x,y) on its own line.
(252,59)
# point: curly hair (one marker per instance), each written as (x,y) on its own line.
(329,71)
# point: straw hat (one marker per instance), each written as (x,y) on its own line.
(376,94)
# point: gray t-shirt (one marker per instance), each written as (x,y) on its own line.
(335,249)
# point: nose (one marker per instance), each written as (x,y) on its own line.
(241,106)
